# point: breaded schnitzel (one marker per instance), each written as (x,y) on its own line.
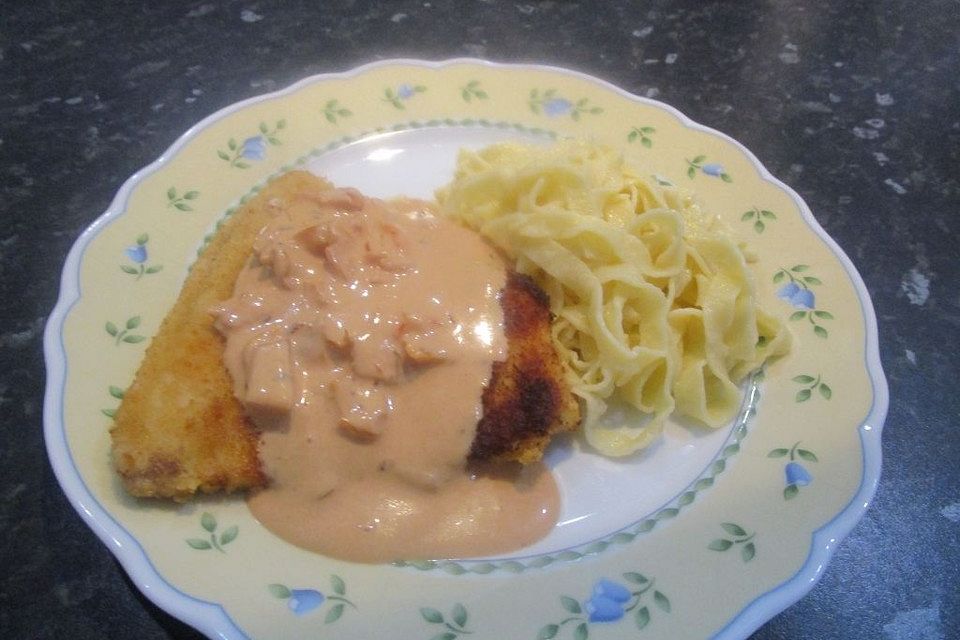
(180,428)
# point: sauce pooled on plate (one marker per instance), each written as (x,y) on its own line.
(360,338)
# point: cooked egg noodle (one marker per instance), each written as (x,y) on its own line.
(654,305)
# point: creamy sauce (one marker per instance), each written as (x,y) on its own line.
(360,338)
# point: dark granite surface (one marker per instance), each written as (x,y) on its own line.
(856,105)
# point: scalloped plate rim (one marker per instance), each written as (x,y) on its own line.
(210,617)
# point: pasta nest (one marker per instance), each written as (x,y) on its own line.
(655,307)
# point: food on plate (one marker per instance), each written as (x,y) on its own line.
(376,348)
(385,384)
(527,401)
(180,429)
(655,305)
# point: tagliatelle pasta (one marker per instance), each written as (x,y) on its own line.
(655,307)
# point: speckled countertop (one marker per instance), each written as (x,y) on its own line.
(856,105)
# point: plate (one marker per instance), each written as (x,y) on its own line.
(748,514)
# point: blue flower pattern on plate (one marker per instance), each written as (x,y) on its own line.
(254,148)
(401,94)
(551,104)
(713,169)
(557,107)
(795,474)
(303,601)
(797,291)
(299,601)
(137,253)
(800,297)
(610,601)
(607,602)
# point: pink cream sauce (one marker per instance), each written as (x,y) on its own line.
(359,339)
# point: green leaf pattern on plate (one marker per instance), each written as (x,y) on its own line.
(122,333)
(213,540)
(333,111)
(759,217)
(811,384)
(551,104)
(181,202)
(452,627)
(737,537)
(472,90)
(642,134)
(117,393)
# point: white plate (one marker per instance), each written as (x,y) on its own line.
(702,513)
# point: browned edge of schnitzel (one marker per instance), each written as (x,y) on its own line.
(528,400)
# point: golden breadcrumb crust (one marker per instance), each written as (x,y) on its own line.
(180,429)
